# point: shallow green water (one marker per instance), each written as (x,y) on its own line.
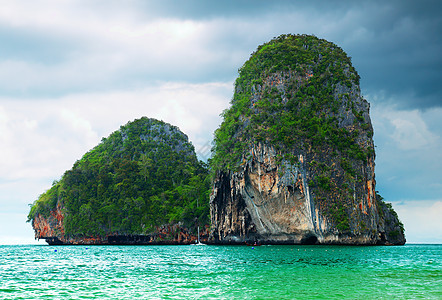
(226,272)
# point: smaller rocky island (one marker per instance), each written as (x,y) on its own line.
(141,185)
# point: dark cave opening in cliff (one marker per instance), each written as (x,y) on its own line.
(309,240)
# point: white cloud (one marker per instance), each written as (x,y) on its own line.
(35,145)
(422,220)
(16,229)
(411,131)
(117,46)
(408,156)
(195,108)
(120,61)
(405,130)
(78,124)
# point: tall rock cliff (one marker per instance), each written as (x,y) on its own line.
(141,185)
(294,156)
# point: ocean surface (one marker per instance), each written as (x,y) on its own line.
(221,272)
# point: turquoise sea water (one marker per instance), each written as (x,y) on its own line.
(225,272)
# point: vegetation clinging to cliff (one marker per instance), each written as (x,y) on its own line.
(144,175)
(390,216)
(306,109)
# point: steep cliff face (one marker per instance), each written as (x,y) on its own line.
(273,203)
(294,156)
(141,185)
(50,226)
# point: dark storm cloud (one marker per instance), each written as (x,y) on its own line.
(399,52)
(396,45)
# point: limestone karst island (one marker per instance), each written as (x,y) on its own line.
(293,162)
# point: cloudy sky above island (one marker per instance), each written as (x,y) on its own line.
(72,72)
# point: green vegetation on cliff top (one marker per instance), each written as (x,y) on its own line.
(307,108)
(144,175)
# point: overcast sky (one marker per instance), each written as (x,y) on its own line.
(72,72)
